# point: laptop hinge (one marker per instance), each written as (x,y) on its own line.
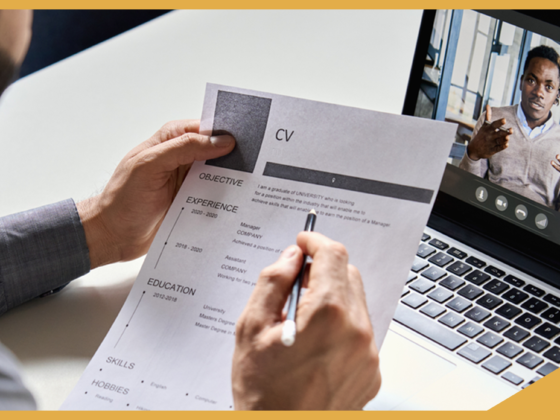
(487,245)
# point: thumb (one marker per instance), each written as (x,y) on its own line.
(185,149)
(488,113)
(273,287)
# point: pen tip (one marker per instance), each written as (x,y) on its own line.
(313,211)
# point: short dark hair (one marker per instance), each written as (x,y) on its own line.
(8,70)
(543,51)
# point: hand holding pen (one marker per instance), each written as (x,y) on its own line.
(491,138)
(333,364)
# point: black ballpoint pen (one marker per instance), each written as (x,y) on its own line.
(289,327)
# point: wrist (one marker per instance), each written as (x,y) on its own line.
(471,153)
(103,249)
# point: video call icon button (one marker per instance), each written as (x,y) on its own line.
(501,203)
(521,212)
(541,221)
(481,194)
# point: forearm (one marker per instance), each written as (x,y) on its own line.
(102,248)
(40,250)
(476,167)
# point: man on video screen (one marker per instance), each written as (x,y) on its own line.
(525,156)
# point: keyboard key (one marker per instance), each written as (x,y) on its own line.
(529,360)
(414,300)
(508,311)
(425,237)
(514,281)
(496,364)
(422,285)
(546,369)
(531,382)
(553,354)
(441,259)
(438,244)
(433,273)
(426,327)
(555,300)
(516,333)
(411,276)
(459,304)
(509,350)
(470,330)
(536,344)
(512,377)
(440,295)
(477,277)
(459,268)
(497,324)
(477,314)
(452,282)
(496,286)
(547,331)
(405,292)
(470,292)
(527,320)
(433,310)
(451,319)
(534,305)
(419,264)
(490,339)
(425,251)
(552,315)
(474,353)
(489,301)
(534,290)
(457,253)
(476,262)
(515,296)
(494,271)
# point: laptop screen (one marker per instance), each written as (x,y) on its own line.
(496,74)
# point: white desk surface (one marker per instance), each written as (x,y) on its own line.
(64,129)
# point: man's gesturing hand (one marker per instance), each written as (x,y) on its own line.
(333,363)
(556,163)
(121,222)
(490,139)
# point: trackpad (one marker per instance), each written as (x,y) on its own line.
(406,368)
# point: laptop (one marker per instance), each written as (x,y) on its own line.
(478,319)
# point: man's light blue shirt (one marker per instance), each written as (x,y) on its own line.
(537,131)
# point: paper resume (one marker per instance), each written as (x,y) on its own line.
(372,179)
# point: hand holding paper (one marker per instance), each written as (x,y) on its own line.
(121,222)
(333,364)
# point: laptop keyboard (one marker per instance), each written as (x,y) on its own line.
(480,312)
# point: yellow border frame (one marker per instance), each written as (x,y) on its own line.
(538,399)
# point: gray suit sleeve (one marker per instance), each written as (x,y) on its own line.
(40,250)
(13,393)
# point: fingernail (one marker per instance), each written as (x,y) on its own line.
(222,141)
(289,252)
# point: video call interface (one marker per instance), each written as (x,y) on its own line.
(475,61)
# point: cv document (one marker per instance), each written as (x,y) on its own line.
(371,177)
